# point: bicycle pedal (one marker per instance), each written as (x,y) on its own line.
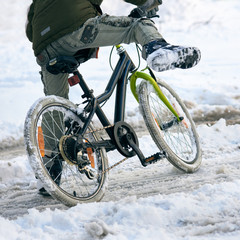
(154,158)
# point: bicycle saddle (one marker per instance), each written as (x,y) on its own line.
(62,64)
(69,64)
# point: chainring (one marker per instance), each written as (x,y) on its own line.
(120,130)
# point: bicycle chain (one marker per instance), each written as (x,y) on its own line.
(100,129)
(113,166)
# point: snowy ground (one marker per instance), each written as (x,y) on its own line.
(158,202)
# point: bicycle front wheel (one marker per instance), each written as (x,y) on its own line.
(51,127)
(179,140)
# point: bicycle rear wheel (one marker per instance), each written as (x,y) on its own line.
(179,139)
(49,122)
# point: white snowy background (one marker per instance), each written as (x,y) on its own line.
(208,210)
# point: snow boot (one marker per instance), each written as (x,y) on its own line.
(162,56)
(42,191)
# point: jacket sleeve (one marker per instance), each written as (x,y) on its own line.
(136,2)
(29,23)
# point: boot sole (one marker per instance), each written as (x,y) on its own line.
(166,59)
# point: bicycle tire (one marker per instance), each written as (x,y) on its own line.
(180,142)
(74,187)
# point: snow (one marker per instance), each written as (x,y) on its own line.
(158,217)
(210,208)
(209,212)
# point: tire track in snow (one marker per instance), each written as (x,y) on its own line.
(167,180)
(161,178)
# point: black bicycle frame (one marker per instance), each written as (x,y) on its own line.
(119,78)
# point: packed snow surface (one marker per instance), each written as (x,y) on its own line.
(157,202)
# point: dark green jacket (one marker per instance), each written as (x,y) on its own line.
(49,20)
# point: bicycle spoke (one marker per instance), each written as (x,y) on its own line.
(178,139)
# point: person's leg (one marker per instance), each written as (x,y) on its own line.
(108,30)
(52,121)
(53,85)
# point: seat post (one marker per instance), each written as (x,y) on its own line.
(88,93)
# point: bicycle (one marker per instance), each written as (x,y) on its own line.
(81,150)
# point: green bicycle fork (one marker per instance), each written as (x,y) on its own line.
(145,76)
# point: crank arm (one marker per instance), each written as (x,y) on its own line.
(136,149)
(144,161)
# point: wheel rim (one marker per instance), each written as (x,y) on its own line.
(180,137)
(55,121)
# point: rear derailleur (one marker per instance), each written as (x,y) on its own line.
(73,155)
(84,165)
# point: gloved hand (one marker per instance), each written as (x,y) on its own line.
(148,9)
(140,12)
(153,13)
(150,4)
